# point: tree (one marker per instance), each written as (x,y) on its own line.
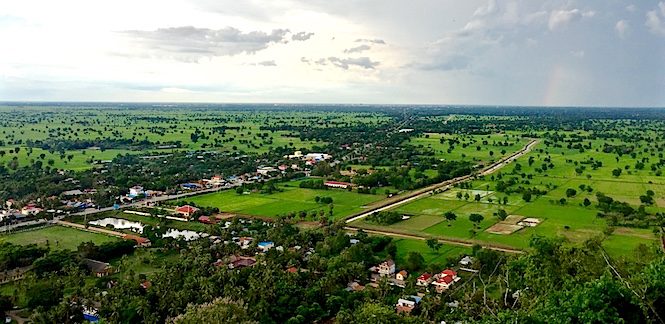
(219,311)
(5,305)
(570,192)
(616,172)
(45,293)
(414,261)
(477,197)
(586,202)
(476,218)
(450,216)
(434,244)
(526,196)
(501,214)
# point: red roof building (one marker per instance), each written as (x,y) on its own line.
(186,210)
(140,241)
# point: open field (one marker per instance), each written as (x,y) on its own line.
(477,148)
(552,170)
(173,129)
(442,256)
(291,199)
(56,237)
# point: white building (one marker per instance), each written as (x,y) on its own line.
(136,191)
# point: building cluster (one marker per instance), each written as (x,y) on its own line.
(436,283)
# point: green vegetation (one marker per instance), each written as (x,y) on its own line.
(56,237)
(291,201)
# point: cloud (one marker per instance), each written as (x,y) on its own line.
(267,63)
(578,54)
(446,63)
(621,28)
(357,49)
(189,43)
(372,41)
(301,36)
(346,63)
(561,18)
(655,20)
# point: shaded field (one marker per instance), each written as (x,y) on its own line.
(56,237)
(291,199)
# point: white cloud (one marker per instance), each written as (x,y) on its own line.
(621,28)
(561,18)
(655,20)
(578,54)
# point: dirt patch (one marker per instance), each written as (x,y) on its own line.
(512,224)
(630,232)
(225,216)
(503,229)
(512,219)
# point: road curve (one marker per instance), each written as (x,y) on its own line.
(446,184)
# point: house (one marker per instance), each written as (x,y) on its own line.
(354,241)
(265,170)
(239,262)
(355,286)
(443,283)
(186,210)
(140,241)
(98,268)
(386,268)
(136,191)
(265,246)
(244,242)
(317,156)
(424,279)
(295,155)
(190,186)
(69,193)
(30,209)
(337,184)
(207,220)
(402,275)
(445,279)
(406,305)
(466,261)
(283,167)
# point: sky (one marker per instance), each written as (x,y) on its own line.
(540,53)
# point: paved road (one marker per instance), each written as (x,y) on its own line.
(444,185)
(91,211)
(144,202)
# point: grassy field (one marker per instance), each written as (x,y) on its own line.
(291,199)
(217,130)
(57,237)
(570,219)
(478,148)
(442,256)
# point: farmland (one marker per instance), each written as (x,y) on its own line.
(56,237)
(78,138)
(567,180)
(292,199)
